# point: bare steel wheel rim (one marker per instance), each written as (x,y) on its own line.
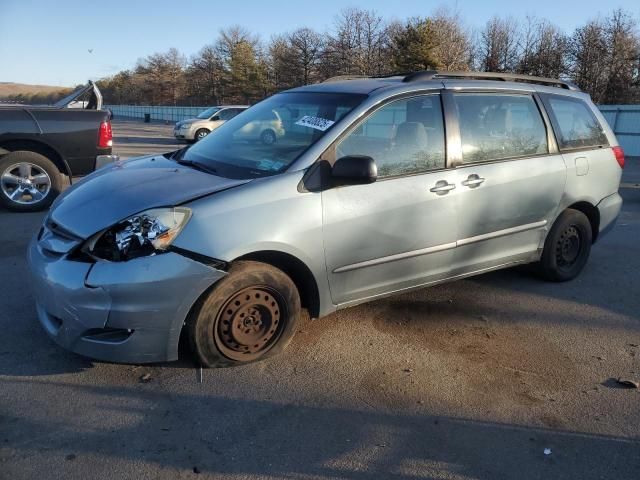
(569,247)
(250,323)
(25,183)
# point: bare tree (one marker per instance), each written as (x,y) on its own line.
(588,57)
(543,49)
(204,76)
(498,45)
(358,45)
(295,58)
(621,36)
(452,43)
(164,76)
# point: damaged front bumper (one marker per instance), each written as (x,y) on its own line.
(130,312)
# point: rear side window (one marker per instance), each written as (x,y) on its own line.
(499,126)
(576,125)
(404,137)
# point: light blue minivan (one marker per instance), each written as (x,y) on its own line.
(375,187)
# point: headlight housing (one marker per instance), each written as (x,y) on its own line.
(146,233)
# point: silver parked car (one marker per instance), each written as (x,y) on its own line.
(194,129)
(377,186)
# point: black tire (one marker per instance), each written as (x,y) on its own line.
(200,134)
(567,247)
(37,163)
(249,315)
(268,137)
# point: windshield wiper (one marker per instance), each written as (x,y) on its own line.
(198,166)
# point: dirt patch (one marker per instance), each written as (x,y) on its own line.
(485,357)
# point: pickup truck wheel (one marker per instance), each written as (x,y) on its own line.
(250,315)
(28,181)
(567,247)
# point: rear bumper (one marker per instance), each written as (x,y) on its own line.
(102,160)
(130,312)
(609,209)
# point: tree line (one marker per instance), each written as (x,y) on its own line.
(602,57)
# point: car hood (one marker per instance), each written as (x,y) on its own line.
(191,121)
(122,189)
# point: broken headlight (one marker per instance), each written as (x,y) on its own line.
(143,234)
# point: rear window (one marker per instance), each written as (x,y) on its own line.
(575,124)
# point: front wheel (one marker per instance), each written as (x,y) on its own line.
(567,247)
(250,315)
(268,137)
(28,181)
(200,134)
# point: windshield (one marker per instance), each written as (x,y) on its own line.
(268,137)
(208,112)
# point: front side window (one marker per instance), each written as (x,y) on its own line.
(403,137)
(499,126)
(578,126)
(268,137)
(228,114)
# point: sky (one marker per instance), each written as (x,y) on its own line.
(49,41)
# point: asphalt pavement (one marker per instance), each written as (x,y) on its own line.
(499,376)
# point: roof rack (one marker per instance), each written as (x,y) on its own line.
(505,77)
(435,74)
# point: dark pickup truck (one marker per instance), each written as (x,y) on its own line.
(41,145)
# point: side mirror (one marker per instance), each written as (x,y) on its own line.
(354,170)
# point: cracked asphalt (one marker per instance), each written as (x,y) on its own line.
(469,380)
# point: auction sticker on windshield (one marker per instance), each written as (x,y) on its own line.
(315,122)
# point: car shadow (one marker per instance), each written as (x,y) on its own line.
(255,438)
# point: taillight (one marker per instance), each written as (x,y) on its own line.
(105,135)
(619,154)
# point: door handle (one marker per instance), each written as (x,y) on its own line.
(473,181)
(442,187)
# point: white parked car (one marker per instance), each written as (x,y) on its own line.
(194,129)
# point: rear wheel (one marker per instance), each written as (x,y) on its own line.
(567,247)
(249,315)
(28,181)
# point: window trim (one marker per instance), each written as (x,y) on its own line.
(545,97)
(552,146)
(329,155)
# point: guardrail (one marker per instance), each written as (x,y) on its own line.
(625,122)
(172,114)
(623,119)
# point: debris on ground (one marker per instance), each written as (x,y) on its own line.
(547,451)
(625,382)
(71,456)
(407,370)
(483,318)
(598,357)
(146,378)
(196,470)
